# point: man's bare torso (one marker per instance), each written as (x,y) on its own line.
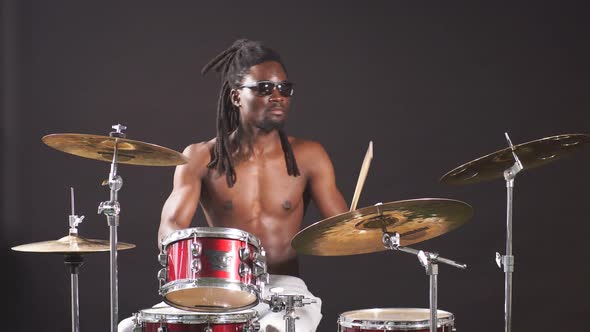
(265,201)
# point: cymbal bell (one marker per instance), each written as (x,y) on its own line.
(360,231)
(71,244)
(531,154)
(102,148)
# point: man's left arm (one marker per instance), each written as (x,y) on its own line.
(322,181)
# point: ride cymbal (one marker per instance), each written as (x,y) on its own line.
(102,147)
(531,154)
(71,244)
(360,231)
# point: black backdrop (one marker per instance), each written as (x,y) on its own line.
(432,84)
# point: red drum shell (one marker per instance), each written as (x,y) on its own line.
(217,284)
(176,320)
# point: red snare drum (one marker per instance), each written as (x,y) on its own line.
(170,319)
(211,269)
(394,319)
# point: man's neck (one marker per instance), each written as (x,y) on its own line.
(254,142)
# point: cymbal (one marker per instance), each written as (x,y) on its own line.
(360,231)
(102,147)
(71,244)
(531,154)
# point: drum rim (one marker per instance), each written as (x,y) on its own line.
(390,325)
(209,232)
(143,316)
(181,284)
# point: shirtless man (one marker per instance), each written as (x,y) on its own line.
(252,176)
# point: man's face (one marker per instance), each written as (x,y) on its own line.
(266,112)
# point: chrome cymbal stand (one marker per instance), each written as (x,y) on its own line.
(288,303)
(430,262)
(73,262)
(111,209)
(508,260)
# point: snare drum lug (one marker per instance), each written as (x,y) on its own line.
(163,259)
(244,254)
(196,265)
(244,270)
(162,275)
(253,326)
(196,249)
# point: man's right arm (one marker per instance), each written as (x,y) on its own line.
(180,207)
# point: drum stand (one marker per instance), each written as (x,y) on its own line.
(74,262)
(508,260)
(288,303)
(430,262)
(111,209)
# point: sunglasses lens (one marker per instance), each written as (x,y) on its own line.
(265,88)
(286,89)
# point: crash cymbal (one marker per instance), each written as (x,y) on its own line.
(531,154)
(71,244)
(360,231)
(102,147)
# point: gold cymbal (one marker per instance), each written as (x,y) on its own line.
(360,231)
(102,147)
(531,154)
(71,244)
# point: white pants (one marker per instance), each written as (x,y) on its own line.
(309,314)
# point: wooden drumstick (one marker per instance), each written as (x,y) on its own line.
(362,176)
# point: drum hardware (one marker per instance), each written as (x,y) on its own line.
(287,302)
(507,163)
(116,149)
(430,262)
(73,247)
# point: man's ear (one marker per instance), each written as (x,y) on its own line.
(235,97)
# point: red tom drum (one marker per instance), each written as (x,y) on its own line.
(212,269)
(171,319)
(394,319)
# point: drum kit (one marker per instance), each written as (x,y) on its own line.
(212,277)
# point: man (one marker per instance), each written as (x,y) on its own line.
(254,177)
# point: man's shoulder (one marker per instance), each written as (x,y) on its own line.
(306,147)
(200,152)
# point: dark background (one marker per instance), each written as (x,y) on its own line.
(433,84)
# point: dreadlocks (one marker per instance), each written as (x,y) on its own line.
(233,64)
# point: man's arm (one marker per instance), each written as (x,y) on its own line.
(180,207)
(322,182)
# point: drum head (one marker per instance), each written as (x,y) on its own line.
(393,318)
(213,299)
(171,315)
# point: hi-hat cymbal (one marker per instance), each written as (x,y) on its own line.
(102,147)
(71,244)
(531,154)
(360,231)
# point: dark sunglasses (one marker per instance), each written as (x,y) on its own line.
(265,88)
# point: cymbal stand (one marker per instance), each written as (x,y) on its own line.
(508,260)
(111,210)
(279,302)
(73,262)
(430,262)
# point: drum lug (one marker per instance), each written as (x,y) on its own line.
(163,259)
(196,265)
(244,254)
(208,329)
(162,275)
(196,249)
(244,270)
(162,329)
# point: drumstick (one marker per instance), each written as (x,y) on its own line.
(362,176)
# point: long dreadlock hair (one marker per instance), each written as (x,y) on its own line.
(233,64)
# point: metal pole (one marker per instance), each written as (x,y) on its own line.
(74,262)
(433,296)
